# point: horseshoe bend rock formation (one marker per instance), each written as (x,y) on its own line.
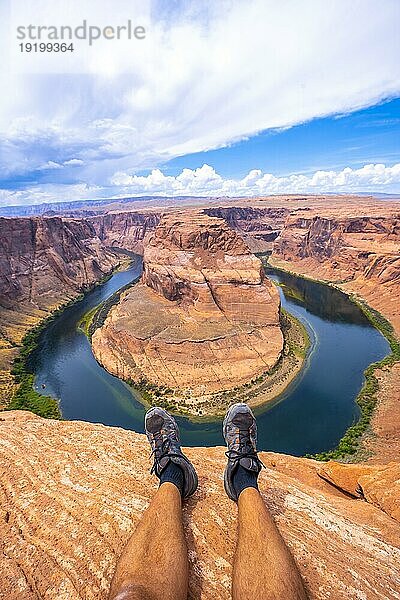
(204,317)
(73,492)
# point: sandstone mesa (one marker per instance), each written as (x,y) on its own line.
(204,317)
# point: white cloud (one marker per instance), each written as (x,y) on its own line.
(205,181)
(44,193)
(50,165)
(206,76)
(197,181)
(73,162)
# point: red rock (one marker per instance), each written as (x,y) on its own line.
(203,319)
(361,252)
(73,492)
(45,260)
(43,263)
(125,229)
(378,484)
(346,476)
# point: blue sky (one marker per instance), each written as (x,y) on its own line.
(371,135)
(228,98)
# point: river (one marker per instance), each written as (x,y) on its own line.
(310,416)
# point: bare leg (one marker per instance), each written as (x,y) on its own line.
(154,563)
(263,566)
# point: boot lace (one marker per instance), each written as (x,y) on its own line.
(162,449)
(245,449)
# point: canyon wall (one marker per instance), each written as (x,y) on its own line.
(358,249)
(361,253)
(203,319)
(73,492)
(125,229)
(44,260)
(259,227)
(43,263)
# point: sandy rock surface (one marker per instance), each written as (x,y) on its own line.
(378,484)
(72,492)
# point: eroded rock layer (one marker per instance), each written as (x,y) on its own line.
(43,263)
(259,227)
(360,252)
(204,318)
(44,259)
(73,492)
(358,249)
(125,229)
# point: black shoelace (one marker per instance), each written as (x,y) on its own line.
(161,451)
(245,450)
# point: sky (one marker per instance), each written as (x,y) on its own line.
(227,98)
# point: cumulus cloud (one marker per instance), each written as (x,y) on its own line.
(196,181)
(40,194)
(204,77)
(205,181)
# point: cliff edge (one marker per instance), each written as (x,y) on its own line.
(44,262)
(359,252)
(72,492)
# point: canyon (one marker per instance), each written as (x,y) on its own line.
(258,226)
(125,229)
(351,241)
(44,262)
(361,254)
(358,251)
(204,317)
(72,492)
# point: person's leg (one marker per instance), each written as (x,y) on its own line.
(154,563)
(263,566)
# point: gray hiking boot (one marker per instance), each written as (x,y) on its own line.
(163,435)
(240,433)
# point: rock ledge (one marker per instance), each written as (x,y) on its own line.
(72,492)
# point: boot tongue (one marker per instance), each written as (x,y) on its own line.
(249,463)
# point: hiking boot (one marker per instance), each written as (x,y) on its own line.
(163,435)
(240,433)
